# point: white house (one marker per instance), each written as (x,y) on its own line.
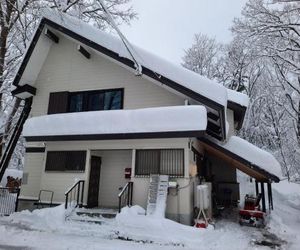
(93,119)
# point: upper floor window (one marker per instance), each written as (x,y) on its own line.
(62,102)
(96,100)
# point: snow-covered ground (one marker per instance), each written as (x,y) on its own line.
(47,229)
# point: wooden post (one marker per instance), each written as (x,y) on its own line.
(270,196)
(263,197)
(256,187)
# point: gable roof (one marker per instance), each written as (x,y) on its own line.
(207,92)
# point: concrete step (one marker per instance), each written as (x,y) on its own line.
(95,215)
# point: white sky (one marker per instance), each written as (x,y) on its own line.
(166,27)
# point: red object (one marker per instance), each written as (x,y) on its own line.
(127,173)
(201,225)
(252,213)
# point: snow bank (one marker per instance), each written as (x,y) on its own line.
(130,230)
(165,119)
(285,218)
(289,191)
(238,98)
(152,229)
(42,219)
(253,154)
(161,67)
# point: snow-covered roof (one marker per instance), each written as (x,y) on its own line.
(173,77)
(179,119)
(238,98)
(245,156)
(161,67)
(253,154)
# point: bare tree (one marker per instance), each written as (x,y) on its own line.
(203,55)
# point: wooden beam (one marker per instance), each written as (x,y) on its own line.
(84,52)
(24,91)
(51,36)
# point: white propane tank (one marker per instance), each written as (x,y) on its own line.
(202,197)
(205,191)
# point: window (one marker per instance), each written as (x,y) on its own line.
(76,103)
(159,161)
(65,161)
(96,100)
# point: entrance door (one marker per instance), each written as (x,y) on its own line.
(94,182)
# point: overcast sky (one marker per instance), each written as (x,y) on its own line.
(166,27)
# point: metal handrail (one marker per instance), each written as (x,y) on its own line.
(123,190)
(126,195)
(76,191)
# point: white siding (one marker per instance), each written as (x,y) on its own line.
(65,69)
(34,163)
(60,181)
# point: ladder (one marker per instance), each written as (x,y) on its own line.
(157,195)
(7,154)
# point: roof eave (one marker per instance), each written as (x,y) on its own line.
(117,136)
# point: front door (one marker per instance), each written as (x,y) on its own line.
(94,182)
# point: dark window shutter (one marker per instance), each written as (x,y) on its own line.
(58,102)
(159,161)
(65,161)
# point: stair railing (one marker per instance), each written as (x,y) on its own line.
(74,195)
(125,196)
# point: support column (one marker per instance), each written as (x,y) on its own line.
(270,196)
(256,187)
(263,197)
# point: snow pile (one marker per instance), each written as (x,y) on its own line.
(141,227)
(285,218)
(41,219)
(253,154)
(130,226)
(238,98)
(165,119)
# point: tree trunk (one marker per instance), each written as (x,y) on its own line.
(298,124)
(3,41)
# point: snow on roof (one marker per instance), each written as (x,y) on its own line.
(238,98)
(179,74)
(149,120)
(253,154)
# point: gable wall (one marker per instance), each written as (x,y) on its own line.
(66,69)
